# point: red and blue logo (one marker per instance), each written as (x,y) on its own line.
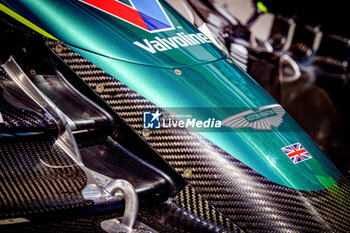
(296,152)
(148,15)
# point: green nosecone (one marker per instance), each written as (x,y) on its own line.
(145,62)
(234,89)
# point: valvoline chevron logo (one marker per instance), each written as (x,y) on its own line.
(148,15)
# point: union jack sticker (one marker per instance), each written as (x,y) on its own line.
(296,152)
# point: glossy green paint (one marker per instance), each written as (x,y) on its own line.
(207,81)
(83,26)
(220,84)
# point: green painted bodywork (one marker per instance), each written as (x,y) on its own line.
(208,81)
(83,26)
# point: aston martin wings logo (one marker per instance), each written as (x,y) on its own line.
(263,119)
(148,15)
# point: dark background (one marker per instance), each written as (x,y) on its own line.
(334,15)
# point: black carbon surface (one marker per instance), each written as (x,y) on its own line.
(88,223)
(192,201)
(250,200)
(182,220)
(37,177)
(73,103)
(20,114)
(166,218)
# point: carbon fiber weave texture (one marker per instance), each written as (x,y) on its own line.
(192,201)
(163,219)
(250,200)
(37,177)
(20,116)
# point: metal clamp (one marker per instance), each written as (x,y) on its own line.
(128,223)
